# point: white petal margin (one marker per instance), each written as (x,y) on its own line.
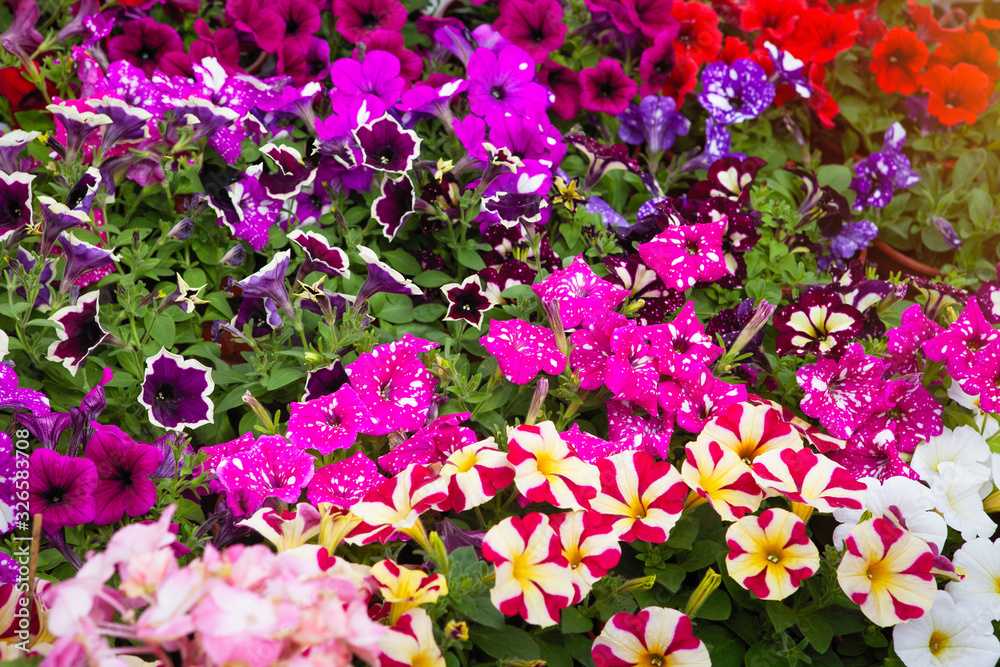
(181,362)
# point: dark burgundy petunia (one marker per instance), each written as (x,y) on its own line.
(467,301)
(395,205)
(61,489)
(176,391)
(323,381)
(123,468)
(258,19)
(78,332)
(319,255)
(144,43)
(386,146)
(15,203)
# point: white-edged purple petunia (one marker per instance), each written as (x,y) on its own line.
(386,146)
(467,301)
(78,332)
(395,204)
(176,391)
(15,203)
(269,283)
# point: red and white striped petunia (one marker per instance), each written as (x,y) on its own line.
(589,545)
(411,642)
(643,497)
(406,588)
(547,470)
(769,555)
(474,474)
(887,570)
(750,430)
(721,477)
(533,578)
(654,636)
(805,477)
(396,505)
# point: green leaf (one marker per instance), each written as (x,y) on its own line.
(555,655)
(480,610)
(517,292)
(817,631)
(470,258)
(782,617)
(505,642)
(402,261)
(717,607)
(702,554)
(432,279)
(579,647)
(763,654)
(429,312)
(669,576)
(572,622)
(163,331)
(968,166)
(837,176)
(724,647)
(283,376)
(980,207)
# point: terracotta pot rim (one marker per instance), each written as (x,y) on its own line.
(906,261)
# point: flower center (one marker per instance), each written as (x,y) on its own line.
(369,20)
(386,155)
(938,642)
(653,660)
(146,53)
(54,496)
(498,92)
(165,393)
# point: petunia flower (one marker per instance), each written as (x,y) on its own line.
(589,545)
(406,588)
(386,146)
(804,477)
(394,384)
(272,467)
(952,633)
(686,254)
(78,122)
(908,410)
(522,350)
(176,391)
(330,422)
(382,278)
(606,88)
(475,473)
(818,323)
(770,554)
(980,559)
(897,61)
(905,501)
(286,530)
(61,489)
(537,27)
(545,470)
(874,455)
(655,122)
(129,124)
(269,283)
(958,492)
(718,474)
(467,301)
(838,392)
(356,19)
(964,445)
(750,431)
(533,578)
(957,94)
(123,469)
(395,204)
(78,332)
(410,642)
(144,43)
(737,93)
(15,203)
(344,483)
(654,636)
(11,144)
(81,258)
(502,83)
(887,571)
(644,498)
(395,506)
(579,291)
(820,35)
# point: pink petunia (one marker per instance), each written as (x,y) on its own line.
(522,350)
(580,292)
(687,254)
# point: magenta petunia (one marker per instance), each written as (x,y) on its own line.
(696,396)
(61,489)
(535,25)
(123,469)
(961,344)
(217,453)
(682,341)
(592,349)
(393,383)
(984,378)
(503,82)
(687,254)
(522,350)
(591,448)
(606,88)
(632,372)
(580,293)
(839,393)
(344,483)
(906,340)
(907,410)
(873,455)
(329,422)
(630,429)
(144,43)
(377,74)
(272,468)
(301,19)
(356,19)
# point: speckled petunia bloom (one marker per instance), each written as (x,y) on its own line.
(687,254)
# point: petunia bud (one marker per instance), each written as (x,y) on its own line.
(708,584)
(537,401)
(234,256)
(182,230)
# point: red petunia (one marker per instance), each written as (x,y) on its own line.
(929,31)
(821,102)
(699,38)
(682,80)
(897,61)
(733,48)
(957,94)
(774,18)
(974,49)
(820,36)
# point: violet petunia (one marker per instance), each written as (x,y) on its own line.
(176,391)
(58,218)
(61,489)
(269,283)
(381,278)
(655,122)
(81,258)
(737,93)
(123,468)
(11,144)
(128,123)
(504,82)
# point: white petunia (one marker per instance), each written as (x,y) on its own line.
(950,634)
(958,494)
(981,586)
(907,500)
(964,446)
